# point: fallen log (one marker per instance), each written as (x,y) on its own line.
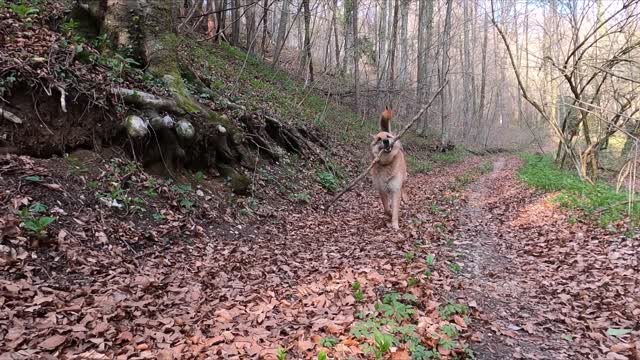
(377,157)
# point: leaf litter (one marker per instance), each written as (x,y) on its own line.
(211,283)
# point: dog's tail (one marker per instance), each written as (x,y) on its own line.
(385,119)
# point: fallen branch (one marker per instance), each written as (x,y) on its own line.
(144,99)
(377,157)
(4,114)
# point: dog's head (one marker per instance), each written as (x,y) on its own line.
(383,143)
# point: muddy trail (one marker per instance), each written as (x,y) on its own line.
(481,264)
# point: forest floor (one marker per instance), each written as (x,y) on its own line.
(482,264)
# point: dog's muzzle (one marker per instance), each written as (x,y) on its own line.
(386,145)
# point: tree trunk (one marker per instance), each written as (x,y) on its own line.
(466,72)
(348,35)
(307,39)
(222,17)
(445,101)
(335,33)
(404,42)
(282,28)
(381,58)
(483,74)
(425,25)
(250,25)
(392,55)
(356,55)
(235,17)
(265,26)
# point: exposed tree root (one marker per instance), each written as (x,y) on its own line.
(146,100)
(10,116)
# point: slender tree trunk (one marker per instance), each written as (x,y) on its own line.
(404,41)
(222,17)
(307,39)
(445,95)
(327,50)
(356,55)
(348,35)
(211,19)
(251,28)
(381,58)
(335,33)
(392,54)
(282,29)
(466,72)
(265,26)
(483,73)
(235,27)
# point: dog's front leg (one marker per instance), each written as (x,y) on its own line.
(384,197)
(395,208)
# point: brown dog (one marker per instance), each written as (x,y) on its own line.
(390,172)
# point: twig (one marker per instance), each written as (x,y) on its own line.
(377,157)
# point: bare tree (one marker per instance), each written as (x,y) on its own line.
(445,95)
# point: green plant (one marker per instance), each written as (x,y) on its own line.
(328,180)
(412,281)
(186,204)
(329,341)
(7,82)
(450,330)
(157,217)
(33,178)
(449,157)
(409,256)
(32,221)
(281,354)
(300,197)
(358,295)
(24,11)
(455,267)
(68,27)
(599,200)
(92,184)
(464,179)
(382,343)
(430,260)
(428,274)
(199,177)
(322,355)
(450,309)
(419,166)
(37,207)
(393,307)
(38,225)
(486,167)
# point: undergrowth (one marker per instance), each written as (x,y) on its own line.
(600,200)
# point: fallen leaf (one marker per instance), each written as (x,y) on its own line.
(52,342)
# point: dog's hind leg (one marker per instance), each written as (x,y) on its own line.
(395,208)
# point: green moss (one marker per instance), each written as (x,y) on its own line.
(239,183)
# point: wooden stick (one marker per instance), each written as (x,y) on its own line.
(377,157)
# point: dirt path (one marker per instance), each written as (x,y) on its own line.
(491,285)
(524,263)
